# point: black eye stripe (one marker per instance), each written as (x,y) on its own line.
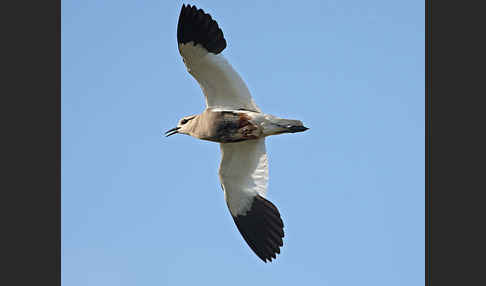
(184,121)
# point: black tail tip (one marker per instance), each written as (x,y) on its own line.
(297,129)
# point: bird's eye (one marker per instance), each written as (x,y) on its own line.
(184,121)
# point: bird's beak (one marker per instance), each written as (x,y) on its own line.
(172,131)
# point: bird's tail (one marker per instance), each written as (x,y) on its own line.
(275,125)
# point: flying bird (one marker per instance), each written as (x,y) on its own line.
(232,119)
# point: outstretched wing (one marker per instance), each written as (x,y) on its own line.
(244,177)
(200,42)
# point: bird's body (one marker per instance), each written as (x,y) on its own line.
(234,120)
(229,126)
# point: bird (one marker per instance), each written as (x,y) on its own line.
(233,120)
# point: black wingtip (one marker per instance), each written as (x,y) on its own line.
(197,26)
(262,228)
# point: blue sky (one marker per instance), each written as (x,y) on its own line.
(142,209)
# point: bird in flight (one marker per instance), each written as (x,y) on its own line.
(232,119)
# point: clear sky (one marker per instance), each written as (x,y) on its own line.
(142,209)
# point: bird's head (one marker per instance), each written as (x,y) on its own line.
(183,127)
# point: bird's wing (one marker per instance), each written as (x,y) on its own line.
(244,177)
(200,42)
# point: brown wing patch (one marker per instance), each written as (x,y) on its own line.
(243,120)
(247,129)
